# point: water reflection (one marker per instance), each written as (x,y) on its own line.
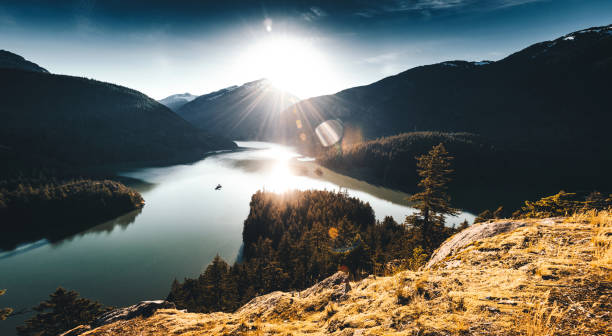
(121,222)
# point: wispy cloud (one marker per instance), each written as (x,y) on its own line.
(82,17)
(382,58)
(5,18)
(426,7)
(313,14)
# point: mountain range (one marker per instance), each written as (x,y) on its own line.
(548,103)
(250,111)
(52,119)
(552,92)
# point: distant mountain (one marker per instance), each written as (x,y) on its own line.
(247,112)
(8,60)
(82,122)
(551,100)
(175,101)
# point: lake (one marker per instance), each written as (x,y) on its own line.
(183,225)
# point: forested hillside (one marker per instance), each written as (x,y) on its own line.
(8,60)
(485,176)
(55,119)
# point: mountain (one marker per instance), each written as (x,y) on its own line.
(550,102)
(175,101)
(555,90)
(250,111)
(8,60)
(76,121)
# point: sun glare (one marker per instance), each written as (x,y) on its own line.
(290,63)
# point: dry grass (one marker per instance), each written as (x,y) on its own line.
(601,222)
(551,277)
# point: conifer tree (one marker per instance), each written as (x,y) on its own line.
(358,257)
(63,311)
(213,282)
(433,202)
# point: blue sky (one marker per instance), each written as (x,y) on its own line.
(308,47)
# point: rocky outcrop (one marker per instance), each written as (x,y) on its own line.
(144,309)
(315,298)
(470,235)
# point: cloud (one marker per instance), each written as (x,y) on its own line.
(313,14)
(5,18)
(382,58)
(428,7)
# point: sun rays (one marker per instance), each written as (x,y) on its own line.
(291,63)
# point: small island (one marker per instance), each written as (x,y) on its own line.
(35,209)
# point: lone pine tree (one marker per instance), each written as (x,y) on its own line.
(433,202)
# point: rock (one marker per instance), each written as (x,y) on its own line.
(335,283)
(144,308)
(471,234)
(77,330)
(314,298)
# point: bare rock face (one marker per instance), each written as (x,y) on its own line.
(315,298)
(335,283)
(144,308)
(471,234)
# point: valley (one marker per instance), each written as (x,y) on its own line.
(447,197)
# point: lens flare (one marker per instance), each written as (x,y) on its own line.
(329,132)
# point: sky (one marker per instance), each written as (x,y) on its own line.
(309,48)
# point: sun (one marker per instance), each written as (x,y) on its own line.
(291,63)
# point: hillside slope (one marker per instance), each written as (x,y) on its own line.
(76,121)
(8,60)
(247,112)
(528,277)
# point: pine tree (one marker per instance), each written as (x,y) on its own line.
(212,282)
(63,311)
(432,203)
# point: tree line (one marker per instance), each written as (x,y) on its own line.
(486,173)
(32,209)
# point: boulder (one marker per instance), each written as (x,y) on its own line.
(336,284)
(471,234)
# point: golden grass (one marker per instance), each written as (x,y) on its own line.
(540,320)
(601,221)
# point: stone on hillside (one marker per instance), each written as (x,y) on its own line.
(473,233)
